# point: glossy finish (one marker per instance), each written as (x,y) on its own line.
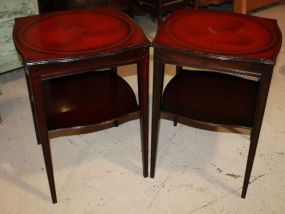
(158,8)
(70,101)
(239,50)
(57,5)
(71,34)
(219,98)
(233,35)
(206,3)
(70,65)
(222,34)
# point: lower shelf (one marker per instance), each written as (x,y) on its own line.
(86,99)
(212,98)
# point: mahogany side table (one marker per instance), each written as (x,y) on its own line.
(70,59)
(235,56)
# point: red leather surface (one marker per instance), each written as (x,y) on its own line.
(221,33)
(76,33)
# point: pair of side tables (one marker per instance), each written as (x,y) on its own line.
(70,60)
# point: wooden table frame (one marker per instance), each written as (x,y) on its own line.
(36,73)
(252,68)
(80,70)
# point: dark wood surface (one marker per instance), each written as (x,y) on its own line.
(206,3)
(211,97)
(71,34)
(86,99)
(64,55)
(58,5)
(157,8)
(203,96)
(221,34)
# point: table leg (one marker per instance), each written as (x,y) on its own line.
(175,118)
(261,103)
(158,74)
(143,86)
(33,110)
(36,86)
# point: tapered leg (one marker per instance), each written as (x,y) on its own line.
(116,123)
(261,103)
(175,118)
(197,4)
(159,19)
(115,69)
(159,13)
(33,110)
(130,11)
(43,132)
(49,168)
(158,73)
(143,85)
(178,69)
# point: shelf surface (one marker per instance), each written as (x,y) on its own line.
(87,99)
(212,98)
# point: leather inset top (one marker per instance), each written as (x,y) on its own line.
(220,33)
(76,33)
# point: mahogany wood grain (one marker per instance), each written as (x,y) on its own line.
(70,65)
(85,99)
(206,3)
(232,99)
(234,92)
(59,5)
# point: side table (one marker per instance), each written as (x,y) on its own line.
(235,56)
(69,60)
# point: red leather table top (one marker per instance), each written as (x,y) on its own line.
(72,34)
(220,33)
